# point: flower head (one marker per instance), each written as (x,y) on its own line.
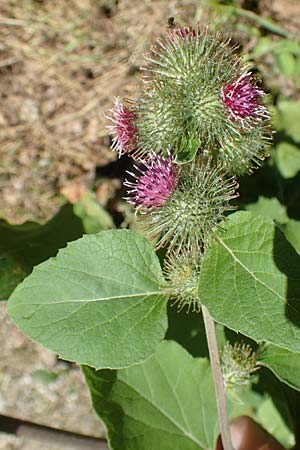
(182,32)
(182,275)
(238,363)
(124,129)
(242,100)
(153,187)
(182,213)
(181,101)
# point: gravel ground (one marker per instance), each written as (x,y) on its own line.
(37,387)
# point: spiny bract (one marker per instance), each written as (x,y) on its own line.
(188,217)
(182,275)
(238,363)
(198,96)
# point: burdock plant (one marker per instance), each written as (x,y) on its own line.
(199,122)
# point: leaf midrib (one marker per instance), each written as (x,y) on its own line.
(100,299)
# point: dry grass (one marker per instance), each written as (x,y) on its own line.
(61,64)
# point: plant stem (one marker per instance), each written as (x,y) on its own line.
(218,379)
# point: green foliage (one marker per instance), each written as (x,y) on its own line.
(269,207)
(283,363)
(287,159)
(197,205)
(288,118)
(284,402)
(11,274)
(32,243)
(167,402)
(181,109)
(292,233)
(250,281)
(271,420)
(285,53)
(93,215)
(24,246)
(99,302)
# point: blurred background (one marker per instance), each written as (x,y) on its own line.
(62,63)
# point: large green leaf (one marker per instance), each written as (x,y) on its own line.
(98,302)
(283,363)
(269,207)
(166,403)
(250,281)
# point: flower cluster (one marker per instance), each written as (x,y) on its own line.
(199,122)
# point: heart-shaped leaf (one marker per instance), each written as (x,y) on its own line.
(250,281)
(98,302)
(167,402)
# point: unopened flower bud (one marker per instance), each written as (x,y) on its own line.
(182,274)
(238,363)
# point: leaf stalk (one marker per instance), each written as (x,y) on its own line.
(218,379)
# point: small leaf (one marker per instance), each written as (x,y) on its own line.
(94,217)
(250,281)
(291,231)
(286,63)
(44,376)
(289,112)
(287,159)
(98,302)
(283,363)
(166,403)
(284,400)
(269,207)
(188,151)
